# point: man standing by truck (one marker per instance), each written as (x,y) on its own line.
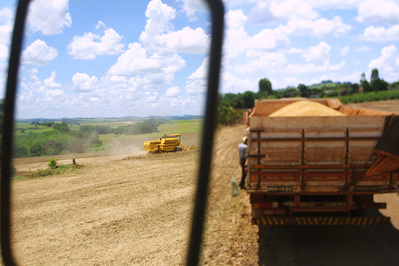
(242,151)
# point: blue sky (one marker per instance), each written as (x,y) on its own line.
(140,58)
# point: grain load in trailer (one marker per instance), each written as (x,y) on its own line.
(305,108)
(319,164)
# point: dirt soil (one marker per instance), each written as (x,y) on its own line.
(137,211)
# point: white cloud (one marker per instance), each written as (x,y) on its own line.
(363,48)
(267,40)
(289,81)
(49,16)
(82,82)
(235,84)
(281,11)
(5,31)
(235,19)
(158,21)
(191,7)
(334,4)
(196,83)
(134,61)
(345,50)
(379,12)
(234,33)
(100,25)
(40,93)
(267,62)
(172,92)
(151,99)
(388,51)
(293,8)
(229,4)
(201,72)
(160,37)
(39,53)
(318,28)
(6,14)
(186,40)
(89,95)
(195,87)
(90,45)
(319,52)
(354,77)
(311,67)
(294,50)
(387,63)
(3,51)
(158,69)
(381,34)
(50,81)
(261,13)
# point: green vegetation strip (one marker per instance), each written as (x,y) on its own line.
(58,170)
(370,97)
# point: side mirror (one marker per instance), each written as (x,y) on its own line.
(217,15)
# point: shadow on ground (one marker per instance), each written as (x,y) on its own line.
(329,245)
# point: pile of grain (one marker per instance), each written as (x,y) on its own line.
(305,108)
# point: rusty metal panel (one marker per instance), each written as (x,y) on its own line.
(332,122)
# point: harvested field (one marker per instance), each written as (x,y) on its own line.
(138,211)
(134,211)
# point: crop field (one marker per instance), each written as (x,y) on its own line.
(124,206)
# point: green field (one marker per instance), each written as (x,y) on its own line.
(179,126)
(169,127)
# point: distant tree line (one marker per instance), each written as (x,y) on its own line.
(231,105)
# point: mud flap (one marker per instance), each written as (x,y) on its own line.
(320,221)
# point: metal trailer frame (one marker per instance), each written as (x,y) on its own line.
(292,182)
(198,218)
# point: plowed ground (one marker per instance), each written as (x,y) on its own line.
(137,211)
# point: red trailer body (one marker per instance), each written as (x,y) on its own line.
(320,170)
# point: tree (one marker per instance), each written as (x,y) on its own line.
(289,92)
(355,88)
(265,87)
(48,124)
(52,163)
(304,91)
(365,84)
(377,84)
(248,99)
(363,77)
(61,127)
(227,115)
(374,75)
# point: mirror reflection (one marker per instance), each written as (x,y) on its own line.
(107,131)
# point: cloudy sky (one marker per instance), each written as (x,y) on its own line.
(120,58)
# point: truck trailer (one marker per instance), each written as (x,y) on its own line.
(320,170)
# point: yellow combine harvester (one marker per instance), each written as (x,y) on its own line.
(170,143)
